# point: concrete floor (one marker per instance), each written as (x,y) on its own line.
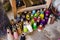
(52,29)
(38,36)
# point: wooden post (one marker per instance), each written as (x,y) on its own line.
(48,2)
(14,9)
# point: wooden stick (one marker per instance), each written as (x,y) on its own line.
(14,9)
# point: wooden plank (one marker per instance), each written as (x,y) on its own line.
(31,8)
(14,9)
(48,2)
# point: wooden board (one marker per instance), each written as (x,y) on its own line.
(14,9)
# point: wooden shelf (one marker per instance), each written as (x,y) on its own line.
(15,10)
(31,8)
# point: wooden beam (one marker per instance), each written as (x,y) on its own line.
(32,8)
(48,2)
(14,9)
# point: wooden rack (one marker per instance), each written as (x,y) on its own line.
(15,10)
